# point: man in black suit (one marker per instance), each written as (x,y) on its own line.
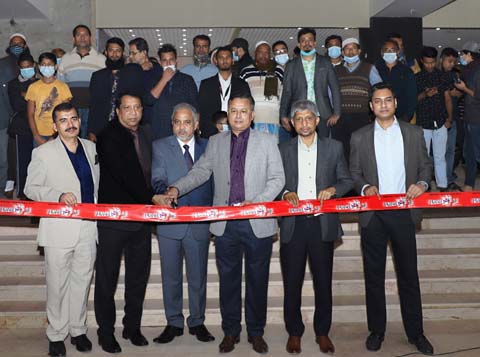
(106,83)
(125,153)
(315,168)
(390,156)
(216,91)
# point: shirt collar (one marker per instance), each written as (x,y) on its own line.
(302,146)
(395,125)
(224,80)
(190,144)
(242,136)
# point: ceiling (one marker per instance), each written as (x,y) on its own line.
(181,38)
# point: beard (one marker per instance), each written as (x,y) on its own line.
(115,65)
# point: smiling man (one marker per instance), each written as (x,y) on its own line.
(65,170)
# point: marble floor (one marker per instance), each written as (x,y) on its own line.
(446,336)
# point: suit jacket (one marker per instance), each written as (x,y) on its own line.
(8,71)
(332,170)
(50,174)
(209,101)
(363,164)
(168,165)
(295,87)
(264,177)
(101,93)
(121,175)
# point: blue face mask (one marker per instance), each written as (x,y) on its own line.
(59,60)
(309,53)
(334,52)
(463,61)
(390,57)
(225,127)
(281,59)
(27,73)
(16,50)
(235,57)
(352,59)
(47,71)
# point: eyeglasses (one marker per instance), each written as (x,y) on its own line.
(280,52)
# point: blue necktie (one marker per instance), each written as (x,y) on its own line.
(188,157)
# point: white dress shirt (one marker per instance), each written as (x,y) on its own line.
(226,86)
(390,158)
(191,147)
(307,170)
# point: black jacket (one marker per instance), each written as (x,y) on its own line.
(209,101)
(19,122)
(130,80)
(121,177)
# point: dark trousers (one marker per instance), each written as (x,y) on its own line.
(306,244)
(398,227)
(348,124)
(137,248)
(237,240)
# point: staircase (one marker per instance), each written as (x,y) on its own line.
(448,262)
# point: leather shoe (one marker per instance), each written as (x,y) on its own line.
(422,344)
(374,341)
(258,344)
(326,345)
(109,344)
(136,338)
(228,344)
(294,344)
(82,343)
(168,334)
(56,349)
(202,333)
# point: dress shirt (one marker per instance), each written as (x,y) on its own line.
(309,69)
(226,89)
(390,158)
(238,154)
(84,172)
(307,170)
(191,147)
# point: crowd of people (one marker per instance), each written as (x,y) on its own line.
(88,127)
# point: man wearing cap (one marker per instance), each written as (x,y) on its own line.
(8,70)
(311,76)
(470,59)
(241,56)
(355,77)
(264,78)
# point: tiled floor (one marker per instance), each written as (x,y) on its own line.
(446,336)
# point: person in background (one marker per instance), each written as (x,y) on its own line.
(220,121)
(59,53)
(241,55)
(280,54)
(44,95)
(333,47)
(201,67)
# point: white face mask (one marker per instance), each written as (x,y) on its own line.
(225,127)
(172,66)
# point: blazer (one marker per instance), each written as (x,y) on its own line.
(101,93)
(50,174)
(295,87)
(209,101)
(363,165)
(168,165)
(264,177)
(121,176)
(332,170)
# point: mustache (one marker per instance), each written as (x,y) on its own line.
(71,128)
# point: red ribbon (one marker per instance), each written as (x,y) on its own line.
(150,213)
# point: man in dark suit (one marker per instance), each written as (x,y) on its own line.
(311,76)
(172,158)
(124,152)
(390,156)
(216,91)
(315,168)
(107,83)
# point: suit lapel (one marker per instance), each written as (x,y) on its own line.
(177,154)
(294,160)
(322,152)
(406,144)
(65,158)
(370,150)
(91,162)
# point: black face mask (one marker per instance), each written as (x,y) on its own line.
(114,65)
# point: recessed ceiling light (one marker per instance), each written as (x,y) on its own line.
(299,28)
(323,46)
(438,29)
(133,35)
(459,38)
(439,46)
(184,35)
(210,30)
(161,43)
(158,30)
(345,28)
(210,34)
(291,37)
(181,46)
(184,30)
(159,35)
(130,30)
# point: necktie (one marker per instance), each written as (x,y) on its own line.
(188,157)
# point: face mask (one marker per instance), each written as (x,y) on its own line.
(16,50)
(463,61)
(235,57)
(352,59)
(59,60)
(281,59)
(47,71)
(309,53)
(27,73)
(114,65)
(334,52)
(225,127)
(389,57)
(171,66)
